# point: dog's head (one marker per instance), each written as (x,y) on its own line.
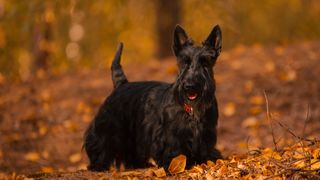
(195,84)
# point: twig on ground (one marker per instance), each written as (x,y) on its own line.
(305,122)
(269,120)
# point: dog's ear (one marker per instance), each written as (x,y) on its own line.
(214,40)
(180,39)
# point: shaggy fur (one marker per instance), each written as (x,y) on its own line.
(142,120)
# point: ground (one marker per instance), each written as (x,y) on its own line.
(266,95)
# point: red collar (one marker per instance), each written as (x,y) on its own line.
(188,108)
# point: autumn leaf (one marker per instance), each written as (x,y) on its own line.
(75,158)
(47,169)
(160,172)
(315,164)
(256,100)
(178,164)
(229,109)
(32,156)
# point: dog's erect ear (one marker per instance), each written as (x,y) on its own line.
(214,39)
(180,39)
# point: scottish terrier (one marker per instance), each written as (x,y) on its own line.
(143,120)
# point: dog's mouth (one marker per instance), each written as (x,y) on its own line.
(192,95)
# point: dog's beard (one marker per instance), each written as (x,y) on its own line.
(199,100)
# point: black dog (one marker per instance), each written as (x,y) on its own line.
(142,120)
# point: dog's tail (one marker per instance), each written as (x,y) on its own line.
(118,76)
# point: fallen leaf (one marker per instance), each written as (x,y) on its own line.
(82,166)
(269,153)
(32,156)
(249,122)
(160,172)
(256,100)
(300,164)
(248,86)
(210,163)
(75,157)
(270,66)
(316,153)
(315,164)
(288,75)
(279,50)
(47,169)
(255,110)
(229,109)
(178,164)
(197,169)
(222,171)
(45,154)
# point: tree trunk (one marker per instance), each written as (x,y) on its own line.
(168,15)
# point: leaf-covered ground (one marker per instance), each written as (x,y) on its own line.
(268,128)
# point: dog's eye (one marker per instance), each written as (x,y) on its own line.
(205,60)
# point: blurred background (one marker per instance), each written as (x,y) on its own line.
(55,57)
(62,35)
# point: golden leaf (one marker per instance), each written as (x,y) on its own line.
(229,109)
(300,164)
(160,172)
(315,164)
(316,153)
(75,157)
(248,86)
(288,75)
(249,122)
(210,163)
(197,169)
(32,156)
(269,66)
(256,100)
(178,164)
(269,153)
(255,110)
(222,171)
(47,169)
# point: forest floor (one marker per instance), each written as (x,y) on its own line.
(268,97)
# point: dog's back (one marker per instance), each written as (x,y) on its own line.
(112,134)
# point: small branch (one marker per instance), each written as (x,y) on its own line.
(306,121)
(296,136)
(269,120)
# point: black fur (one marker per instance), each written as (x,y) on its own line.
(142,120)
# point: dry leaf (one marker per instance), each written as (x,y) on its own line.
(256,100)
(288,75)
(47,169)
(255,110)
(222,171)
(248,86)
(210,163)
(32,156)
(178,164)
(316,153)
(270,66)
(315,164)
(75,157)
(249,122)
(300,164)
(197,169)
(229,109)
(160,172)
(269,153)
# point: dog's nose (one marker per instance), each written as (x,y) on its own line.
(190,86)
